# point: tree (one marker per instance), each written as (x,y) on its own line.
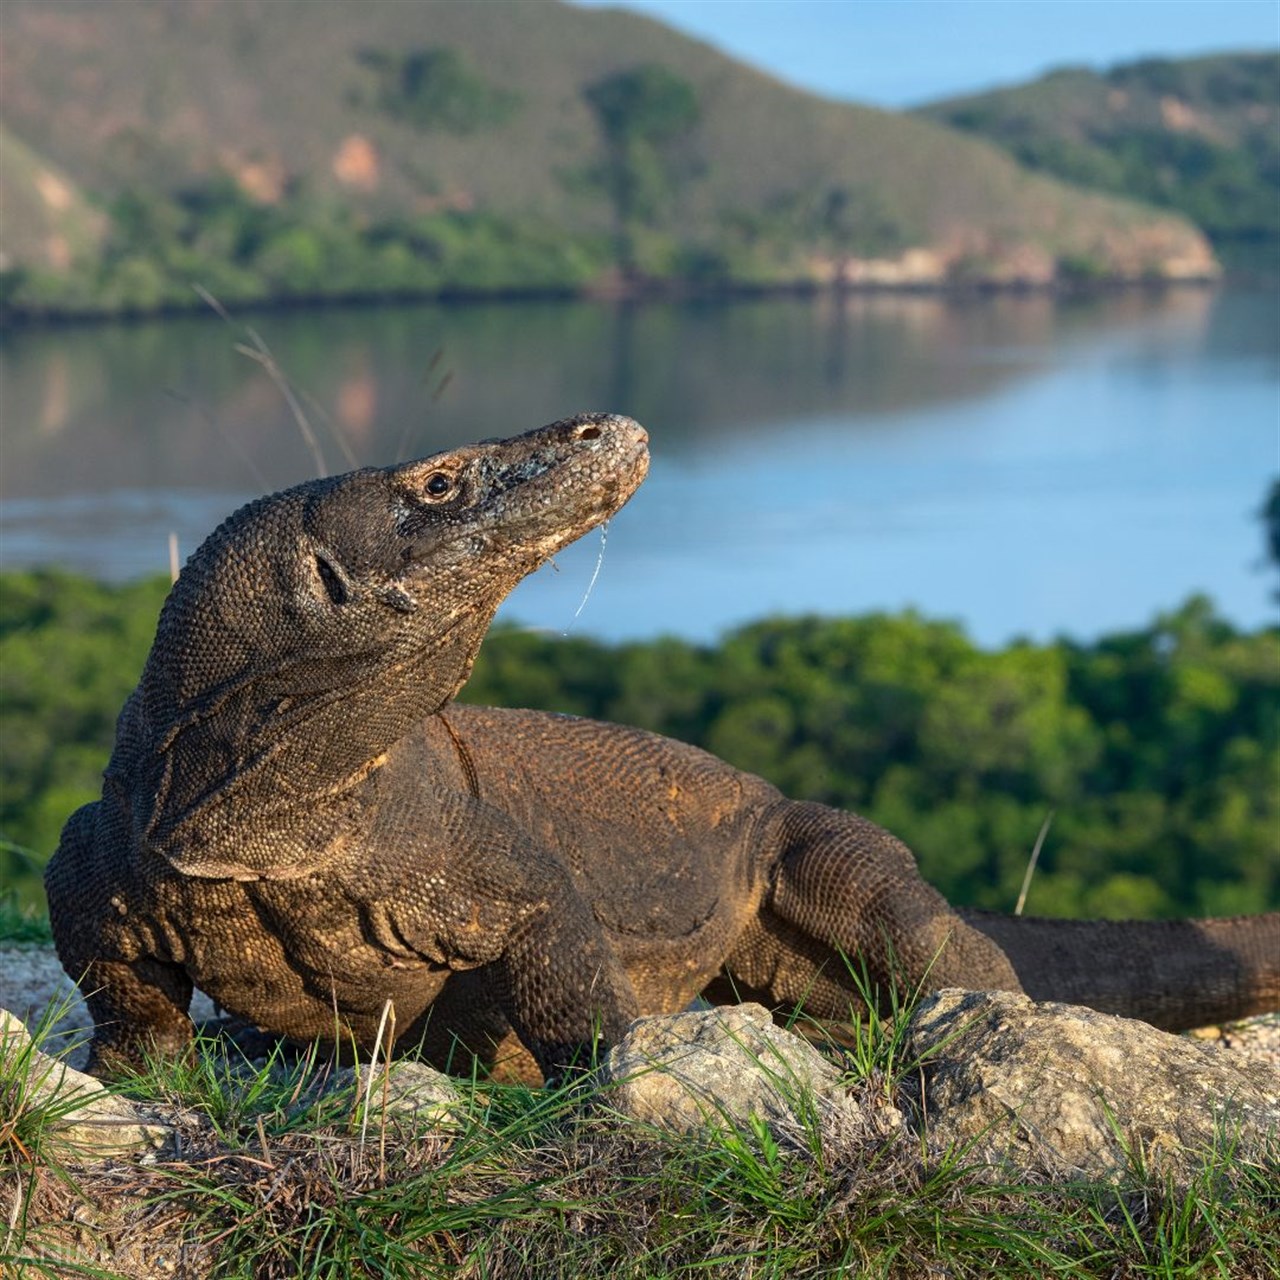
(1270,514)
(437,89)
(642,113)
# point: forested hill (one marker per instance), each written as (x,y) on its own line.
(284,148)
(1199,135)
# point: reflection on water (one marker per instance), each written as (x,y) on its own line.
(1029,466)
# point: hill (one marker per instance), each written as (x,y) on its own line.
(278,148)
(48,222)
(1200,135)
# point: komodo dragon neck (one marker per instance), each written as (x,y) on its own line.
(315,628)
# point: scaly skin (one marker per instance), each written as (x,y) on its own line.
(298,820)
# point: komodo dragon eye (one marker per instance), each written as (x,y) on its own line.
(438,484)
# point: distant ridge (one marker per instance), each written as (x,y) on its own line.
(277,149)
(1197,135)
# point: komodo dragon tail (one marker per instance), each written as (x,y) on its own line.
(1174,974)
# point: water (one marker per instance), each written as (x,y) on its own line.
(1025,466)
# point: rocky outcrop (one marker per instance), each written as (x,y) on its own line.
(1065,1092)
(1020,1088)
(89,1123)
(412,1092)
(1047,1090)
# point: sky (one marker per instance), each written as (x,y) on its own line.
(897,53)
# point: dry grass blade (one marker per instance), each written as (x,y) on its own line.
(406,436)
(334,430)
(259,480)
(212,303)
(259,352)
(387,1029)
(1031,863)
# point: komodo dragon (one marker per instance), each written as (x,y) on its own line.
(297,818)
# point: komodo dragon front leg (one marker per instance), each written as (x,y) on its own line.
(315,956)
(135,991)
(474,892)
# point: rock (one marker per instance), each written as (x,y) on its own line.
(1205,1033)
(1066,1092)
(91,1122)
(1255,1040)
(415,1092)
(727,1067)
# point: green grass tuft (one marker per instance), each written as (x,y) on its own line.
(24,924)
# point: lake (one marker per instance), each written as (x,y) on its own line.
(1028,466)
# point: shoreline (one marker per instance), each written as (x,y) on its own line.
(631,294)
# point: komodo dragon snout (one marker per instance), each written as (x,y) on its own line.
(298,819)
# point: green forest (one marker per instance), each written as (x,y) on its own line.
(244,253)
(1156,751)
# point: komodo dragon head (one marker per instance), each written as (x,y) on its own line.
(315,627)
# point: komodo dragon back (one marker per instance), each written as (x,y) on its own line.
(299,820)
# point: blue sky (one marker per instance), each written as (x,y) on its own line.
(896,53)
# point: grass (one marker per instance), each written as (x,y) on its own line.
(22,921)
(276,1171)
(24,924)
(34,1104)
